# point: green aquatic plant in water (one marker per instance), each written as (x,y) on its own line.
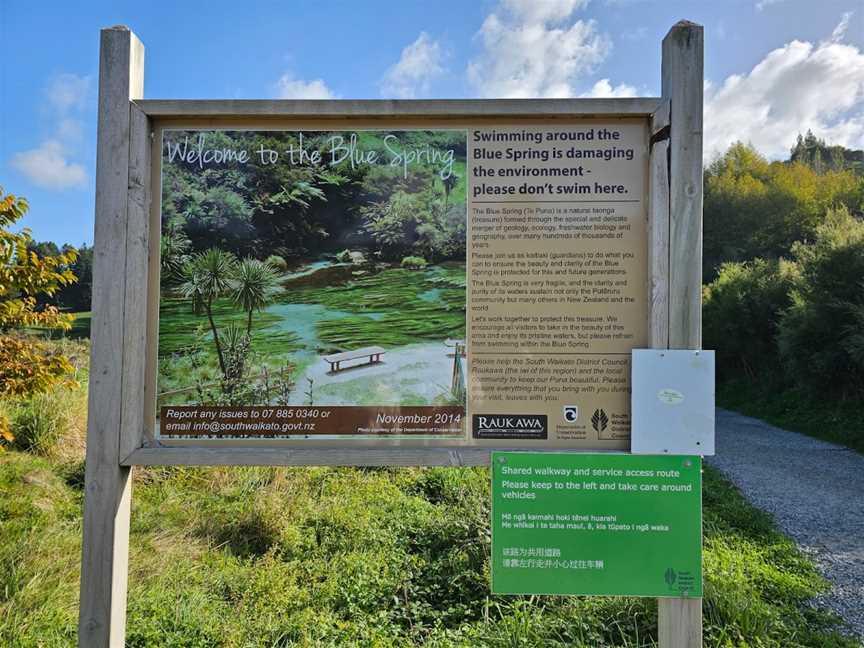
(387,308)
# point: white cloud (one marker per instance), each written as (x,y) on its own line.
(47,166)
(287,87)
(535,11)
(603,89)
(766,3)
(421,62)
(796,87)
(534,49)
(840,30)
(67,92)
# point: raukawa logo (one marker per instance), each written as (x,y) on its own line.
(506,422)
(510,426)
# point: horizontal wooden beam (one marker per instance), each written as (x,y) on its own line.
(438,108)
(320,456)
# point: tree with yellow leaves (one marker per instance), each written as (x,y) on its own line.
(28,366)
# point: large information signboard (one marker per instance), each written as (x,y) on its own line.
(596,524)
(404,283)
(454,285)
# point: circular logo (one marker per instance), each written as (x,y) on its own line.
(571,413)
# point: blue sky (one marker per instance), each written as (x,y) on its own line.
(772,67)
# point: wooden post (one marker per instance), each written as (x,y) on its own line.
(108,485)
(680,619)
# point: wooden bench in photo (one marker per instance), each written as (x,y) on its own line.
(373,353)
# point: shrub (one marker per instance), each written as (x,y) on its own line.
(277,263)
(344,256)
(414,263)
(741,311)
(821,335)
(37,420)
(28,366)
(6,436)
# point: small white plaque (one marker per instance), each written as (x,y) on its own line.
(672,403)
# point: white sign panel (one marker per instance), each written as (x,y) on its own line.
(673,402)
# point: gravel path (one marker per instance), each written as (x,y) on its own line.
(815,491)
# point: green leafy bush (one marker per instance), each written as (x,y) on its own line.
(821,335)
(277,263)
(414,263)
(741,311)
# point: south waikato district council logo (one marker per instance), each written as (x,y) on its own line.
(599,421)
(670,577)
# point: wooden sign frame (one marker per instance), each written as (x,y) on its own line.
(116,437)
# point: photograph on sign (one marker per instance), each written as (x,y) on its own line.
(307,271)
(596,524)
(467,285)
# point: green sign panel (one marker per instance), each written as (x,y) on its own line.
(596,524)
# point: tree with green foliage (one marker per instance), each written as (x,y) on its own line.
(174,248)
(741,311)
(755,208)
(821,335)
(449,183)
(207,276)
(28,367)
(78,295)
(25,275)
(252,286)
(822,157)
(416,224)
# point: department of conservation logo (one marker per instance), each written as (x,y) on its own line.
(599,421)
(570,413)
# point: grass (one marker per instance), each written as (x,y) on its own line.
(248,557)
(823,418)
(349,557)
(80,328)
(54,424)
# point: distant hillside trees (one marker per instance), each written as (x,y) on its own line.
(822,157)
(758,209)
(784,268)
(74,296)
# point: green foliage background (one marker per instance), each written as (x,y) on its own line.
(297,211)
(784,256)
